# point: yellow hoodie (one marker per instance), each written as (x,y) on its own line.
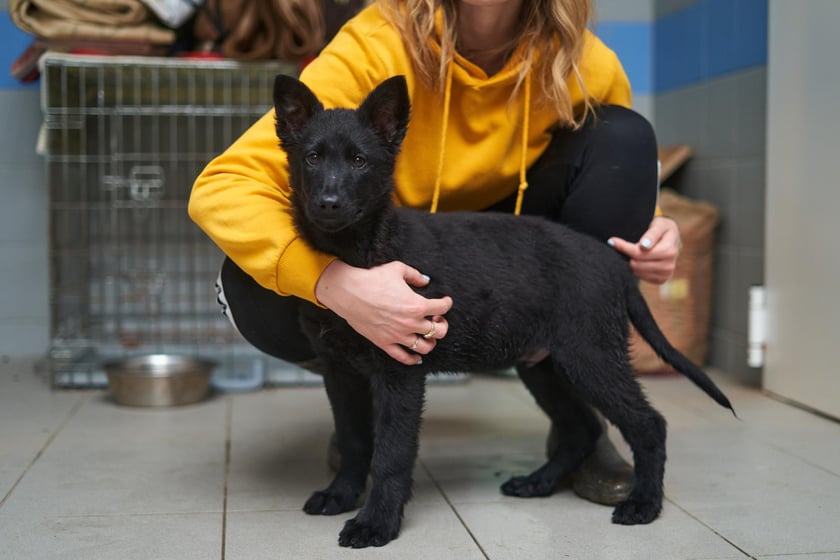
(241,199)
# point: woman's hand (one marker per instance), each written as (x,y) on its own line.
(654,257)
(381,306)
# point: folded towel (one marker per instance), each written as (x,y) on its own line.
(103,20)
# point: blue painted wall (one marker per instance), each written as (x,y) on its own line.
(708,39)
(13,42)
(700,41)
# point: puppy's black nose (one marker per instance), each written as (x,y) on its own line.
(329,202)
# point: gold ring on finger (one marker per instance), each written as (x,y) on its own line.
(431,332)
(416,341)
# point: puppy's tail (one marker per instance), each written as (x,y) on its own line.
(644,322)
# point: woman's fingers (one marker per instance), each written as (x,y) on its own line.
(654,257)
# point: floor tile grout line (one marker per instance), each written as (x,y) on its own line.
(454,510)
(796,456)
(44,447)
(228,431)
(710,528)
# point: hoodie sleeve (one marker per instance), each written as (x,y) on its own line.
(241,198)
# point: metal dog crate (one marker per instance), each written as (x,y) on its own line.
(124,139)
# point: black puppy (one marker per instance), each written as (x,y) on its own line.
(521,286)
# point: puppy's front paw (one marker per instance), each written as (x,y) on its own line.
(636,512)
(326,502)
(361,534)
(531,486)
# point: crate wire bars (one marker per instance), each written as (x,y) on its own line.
(129,271)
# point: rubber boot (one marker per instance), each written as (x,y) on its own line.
(604,477)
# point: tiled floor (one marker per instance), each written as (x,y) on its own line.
(82,478)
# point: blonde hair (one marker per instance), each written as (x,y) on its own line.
(553,32)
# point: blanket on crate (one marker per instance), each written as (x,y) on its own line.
(90,21)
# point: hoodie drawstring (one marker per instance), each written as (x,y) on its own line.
(447,96)
(526,120)
(523,164)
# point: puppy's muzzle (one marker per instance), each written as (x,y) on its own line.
(329,213)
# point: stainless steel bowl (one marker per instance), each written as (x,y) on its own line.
(158,380)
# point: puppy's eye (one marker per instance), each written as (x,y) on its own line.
(312,158)
(359,161)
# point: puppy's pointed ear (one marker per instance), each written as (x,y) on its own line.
(294,105)
(387,108)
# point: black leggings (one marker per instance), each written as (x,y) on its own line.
(600,180)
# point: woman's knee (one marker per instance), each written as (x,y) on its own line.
(618,128)
(615,189)
(623,144)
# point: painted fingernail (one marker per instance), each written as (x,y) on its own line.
(418,362)
(426,277)
(611,242)
(646,243)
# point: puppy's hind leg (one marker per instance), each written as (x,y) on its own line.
(398,406)
(576,425)
(350,399)
(609,384)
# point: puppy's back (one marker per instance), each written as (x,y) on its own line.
(517,282)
